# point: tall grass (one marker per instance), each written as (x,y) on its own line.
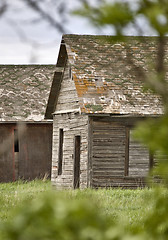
(33,210)
(125,205)
(128,206)
(13,194)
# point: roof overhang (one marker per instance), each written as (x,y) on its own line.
(56,84)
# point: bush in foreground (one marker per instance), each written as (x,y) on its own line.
(64,217)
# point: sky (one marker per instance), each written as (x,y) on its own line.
(25,38)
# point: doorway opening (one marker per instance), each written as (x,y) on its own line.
(76,180)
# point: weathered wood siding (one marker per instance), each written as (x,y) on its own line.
(35,153)
(7,164)
(109,150)
(68,98)
(33,159)
(138,159)
(73,124)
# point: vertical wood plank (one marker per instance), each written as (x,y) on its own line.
(35,151)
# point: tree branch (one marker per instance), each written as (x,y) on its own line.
(3,8)
(35,5)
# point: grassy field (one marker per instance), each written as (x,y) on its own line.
(35,209)
(13,194)
(125,205)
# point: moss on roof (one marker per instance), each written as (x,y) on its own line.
(104,75)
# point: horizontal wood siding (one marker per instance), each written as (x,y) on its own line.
(67,98)
(138,159)
(68,122)
(73,124)
(115,158)
(119,182)
(108,152)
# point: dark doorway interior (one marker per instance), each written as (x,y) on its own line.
(77,162)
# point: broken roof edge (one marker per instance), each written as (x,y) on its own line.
(56,83)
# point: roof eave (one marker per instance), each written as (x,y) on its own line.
(56,84)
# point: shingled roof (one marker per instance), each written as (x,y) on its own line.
(24,91)
(105,79)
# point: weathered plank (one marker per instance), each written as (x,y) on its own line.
(108,151)
(138,158)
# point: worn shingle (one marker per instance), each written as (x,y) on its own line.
(105,79)
(24,91)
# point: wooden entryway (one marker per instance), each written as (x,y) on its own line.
(76,176)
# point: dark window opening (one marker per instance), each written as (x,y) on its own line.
(77,162)
(16,141)
(60,151)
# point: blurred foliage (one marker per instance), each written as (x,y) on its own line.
(156,12)
(63,216)
(154,132)
(56,216)
(156,223)
(127,205)
(120,15)
(102,14)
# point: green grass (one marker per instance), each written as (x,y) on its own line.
(34,211)
(123,205)
(128,206)
(13,194)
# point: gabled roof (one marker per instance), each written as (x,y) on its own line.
(105,79)
(24,91)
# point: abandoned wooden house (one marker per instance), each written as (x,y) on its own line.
(96,98)
(25,137)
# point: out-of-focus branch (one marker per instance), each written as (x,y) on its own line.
(155,77)
(25,38)
(45,15)
(160,56)
(3,8)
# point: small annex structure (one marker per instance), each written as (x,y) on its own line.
(25,137)
(96,98)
